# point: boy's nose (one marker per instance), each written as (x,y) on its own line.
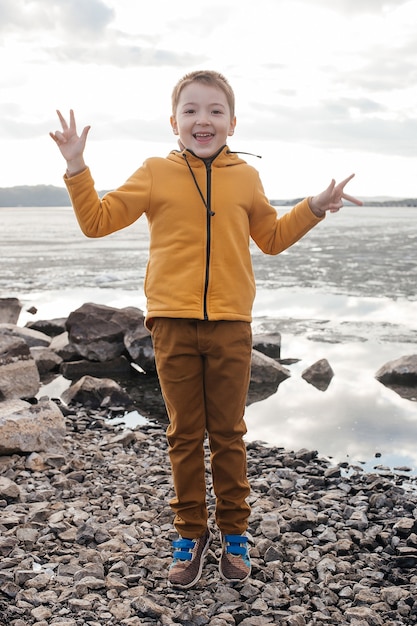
(203,119)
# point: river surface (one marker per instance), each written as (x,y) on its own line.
(346,292)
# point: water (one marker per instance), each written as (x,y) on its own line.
(346,292)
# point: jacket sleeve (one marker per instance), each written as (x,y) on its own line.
(116,210)
(272,233)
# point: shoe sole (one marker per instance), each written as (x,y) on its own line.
(234,580)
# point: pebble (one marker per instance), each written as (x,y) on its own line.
(85,538)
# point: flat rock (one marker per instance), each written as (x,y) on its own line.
(30,428)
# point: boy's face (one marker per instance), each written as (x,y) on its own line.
(202,120)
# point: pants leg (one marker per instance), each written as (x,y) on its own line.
(180,371)
(227,376)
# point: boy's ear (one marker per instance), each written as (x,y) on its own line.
(232,126)
(174,124)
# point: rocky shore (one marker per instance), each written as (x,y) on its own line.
(85,538)
(85,522)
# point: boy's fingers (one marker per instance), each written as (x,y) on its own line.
(345,182)
(345,196)
(62,120)
(72,119)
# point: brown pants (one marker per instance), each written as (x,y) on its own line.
(204,372)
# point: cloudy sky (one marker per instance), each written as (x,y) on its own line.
(324,87)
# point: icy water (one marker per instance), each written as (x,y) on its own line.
(346,292)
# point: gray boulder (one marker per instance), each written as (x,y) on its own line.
(46,360)
(60,344)
(400,375)
(267,370)
(319,374)
(52,328)
(30,428)
(269,344)
(19,375)
(139,345)
(31,337)
(266,376)
(74,370)
(402,371)
(9,310)
(97,331)
(96,393)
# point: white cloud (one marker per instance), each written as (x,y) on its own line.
(329,77)
(76,17)
(364,6)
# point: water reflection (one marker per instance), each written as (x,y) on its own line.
(354,419)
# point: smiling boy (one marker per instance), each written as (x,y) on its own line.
(203,204)
(203,117)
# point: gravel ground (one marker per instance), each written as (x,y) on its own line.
(85,538)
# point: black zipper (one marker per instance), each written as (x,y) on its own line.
(209,215)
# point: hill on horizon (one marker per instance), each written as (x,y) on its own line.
(33,196)
(50,195)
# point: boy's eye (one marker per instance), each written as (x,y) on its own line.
(217,112)
(189,111)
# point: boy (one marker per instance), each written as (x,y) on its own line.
(203,204)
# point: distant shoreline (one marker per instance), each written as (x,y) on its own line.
(52,196)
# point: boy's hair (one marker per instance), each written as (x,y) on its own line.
(207,77)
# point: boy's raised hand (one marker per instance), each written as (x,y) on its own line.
(331,199)
(70,144)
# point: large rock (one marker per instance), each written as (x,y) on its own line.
(97,331)
(31,337)
(139,345)
(400,375)
(267,370)
(269,344)
(30,428)
(266,376)
(402,371)
(319,374)
(74,370)
(60,344)
(94,393)
(46,360)
(9,310)
(52,328)
(19,375)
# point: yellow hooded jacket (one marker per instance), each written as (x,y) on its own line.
(201,217)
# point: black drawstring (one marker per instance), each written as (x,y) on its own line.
(258,156)
(209,211)
(208,163)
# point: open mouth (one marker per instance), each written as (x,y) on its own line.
(203,137)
